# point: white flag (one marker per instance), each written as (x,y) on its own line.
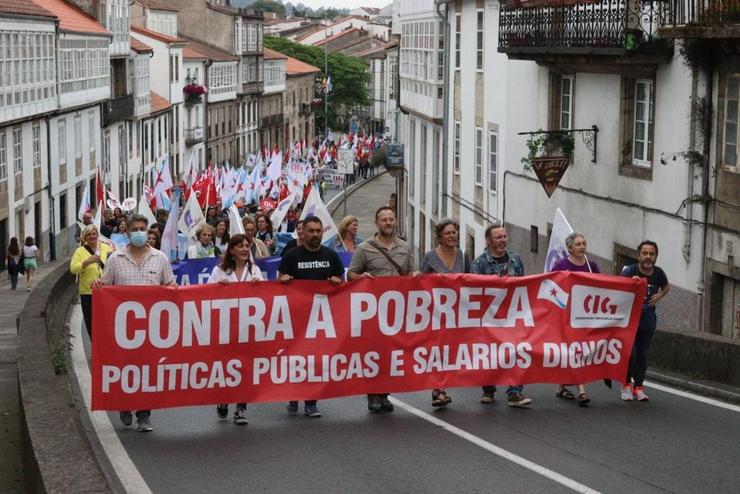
(557,250)
(235,222)
(192,218)
(85,204)
(314,206)
(277,216)
(98,216)
(145,210)
(169,236)
(275,168)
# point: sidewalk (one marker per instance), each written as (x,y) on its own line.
(11,460)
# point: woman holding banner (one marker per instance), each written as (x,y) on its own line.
(87,263)
(576,261)
(236,267)
(444,259)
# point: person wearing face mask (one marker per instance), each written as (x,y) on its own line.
(137,264)
(204,246)
(87,263)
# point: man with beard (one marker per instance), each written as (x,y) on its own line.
(657,288)
(382,255)
(310,261)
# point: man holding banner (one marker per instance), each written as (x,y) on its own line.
(311,261)
(383,255)
(497,260)
(137,264)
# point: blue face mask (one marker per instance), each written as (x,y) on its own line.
(138,239)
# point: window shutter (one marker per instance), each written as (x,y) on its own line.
(556,82)
(628,119)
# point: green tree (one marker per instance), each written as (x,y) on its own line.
(349,77)
(269,6)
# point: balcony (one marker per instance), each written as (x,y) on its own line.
(552,29)
(271,121)
(117,109)
(193,136)
(251,87)
(701,19)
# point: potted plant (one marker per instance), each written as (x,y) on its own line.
(194,93)
(548,145)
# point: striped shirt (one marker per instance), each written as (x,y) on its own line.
(122,270)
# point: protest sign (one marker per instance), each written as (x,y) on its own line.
(160,347)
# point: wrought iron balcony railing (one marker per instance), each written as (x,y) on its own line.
(687,14)
(193,136)
(117,109)
(606,27)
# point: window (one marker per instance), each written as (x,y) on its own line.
(3,156)
(456,160)
(479,42)
(17,149)
(63,210)
(423,166)
(36,145)
(62,141)
(730,130)
(478,156)
(566,102)
(458,20)
(435,172)
(412,165)
(78,136)
(91,129)
(492,160)
(643,123)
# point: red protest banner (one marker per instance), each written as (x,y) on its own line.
(158,347)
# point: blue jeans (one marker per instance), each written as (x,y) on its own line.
(510,390)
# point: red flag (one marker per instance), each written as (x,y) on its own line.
(99,189)
(205,190)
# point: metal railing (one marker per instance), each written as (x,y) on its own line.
(193,136)
(604,26)
(700,13)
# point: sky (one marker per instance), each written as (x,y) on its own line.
(349,4)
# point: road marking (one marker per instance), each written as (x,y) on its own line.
(492,448)
(692,396)
(123,467)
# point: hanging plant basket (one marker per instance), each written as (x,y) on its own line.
(548,145)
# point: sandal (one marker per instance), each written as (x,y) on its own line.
(565,394)
(440,398)
(583,399)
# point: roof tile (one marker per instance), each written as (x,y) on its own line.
(24,8)
(197,49)
(71,18)
(158,103)
(170,40)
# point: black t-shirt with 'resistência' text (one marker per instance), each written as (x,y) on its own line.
(303,264)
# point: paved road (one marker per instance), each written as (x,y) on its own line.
(671,444)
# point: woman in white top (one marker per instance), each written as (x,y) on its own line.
(29,260)
(221,238)
(236,266)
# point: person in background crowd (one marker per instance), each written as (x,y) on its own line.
(212,215)
(121,227)
(256,246)
(348,238)
(576,261)
(108,225)
(13,260)
(383,255)
(310,261)
(221,238)
(87,219)
(29,261)
(137,264)
(497,260)
(88,262)
(445,258)
(153,238)
(657,288)
(204,246)
(162,215)
(298,240)
(264,232)
(236,267)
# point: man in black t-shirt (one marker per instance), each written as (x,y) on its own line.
(310,261)
(658,288)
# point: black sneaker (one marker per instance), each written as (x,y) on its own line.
(487,398)
(127,418)
(385,404)
(373,403)
(222,411)
(240,415)
(292,407)
(518,400)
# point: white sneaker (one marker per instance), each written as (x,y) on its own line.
(626,392)
(640,395)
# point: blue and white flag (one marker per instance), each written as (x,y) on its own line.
(277,216)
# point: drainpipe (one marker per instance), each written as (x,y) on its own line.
(445,102)
(52,240)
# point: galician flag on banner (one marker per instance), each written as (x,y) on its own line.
(557,250)
(192,218)
(145,210)
(276,217)
(85,204)
(169,236)
(314,206)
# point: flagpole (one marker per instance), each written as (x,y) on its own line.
(326,74)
